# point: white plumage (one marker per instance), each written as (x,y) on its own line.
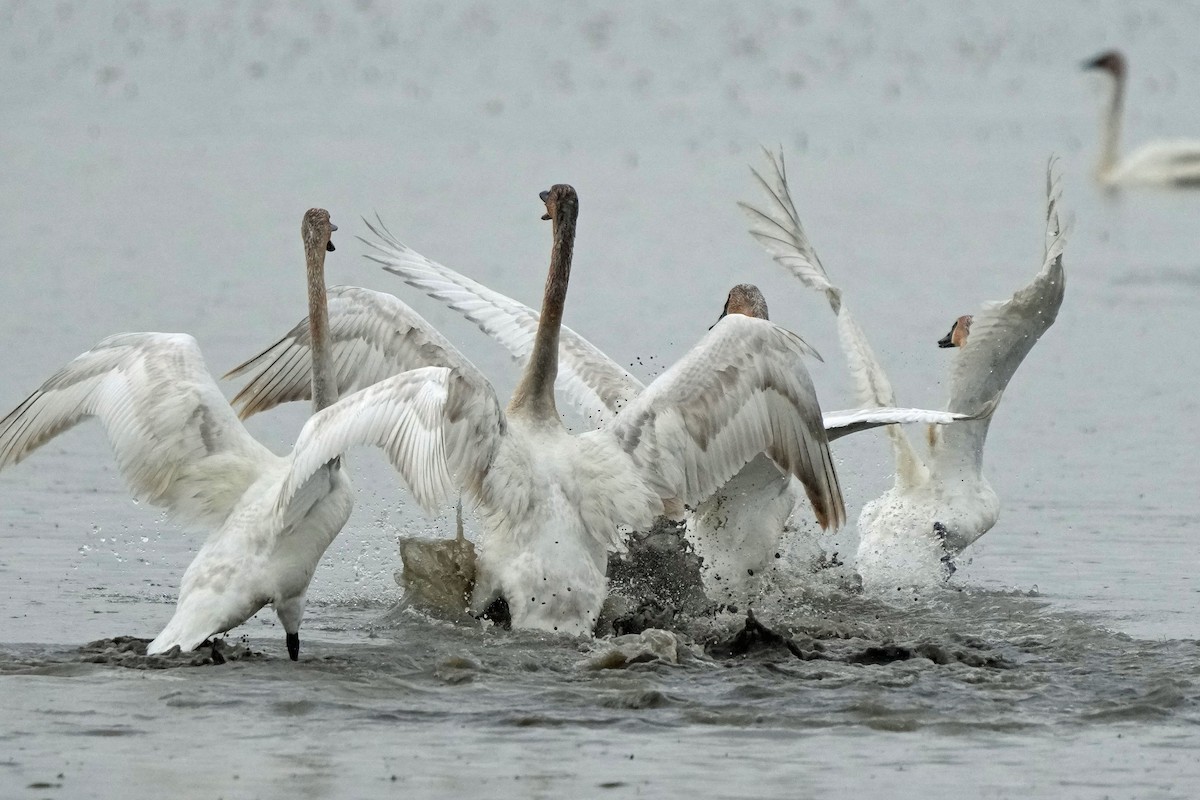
(940,502)
(552,504)
(737,528)
(1165,163)
(180,446)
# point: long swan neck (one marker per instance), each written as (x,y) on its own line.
(535,392)
(324,381)
(1110,140)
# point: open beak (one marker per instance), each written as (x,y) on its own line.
(329,247)
(293,646)
(948,339)
(545,196)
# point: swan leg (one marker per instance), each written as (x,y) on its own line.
(498,613)
(942,535)
(290,612)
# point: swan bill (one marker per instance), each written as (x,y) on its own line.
(293,646)
(1111,61)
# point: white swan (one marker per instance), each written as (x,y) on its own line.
(940,502)
(1175,162)
(179,445)
(552,504)
(736,530)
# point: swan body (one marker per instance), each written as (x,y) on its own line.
(940,502)
(737,529)
(180,446)
(552,504)
(1172,163)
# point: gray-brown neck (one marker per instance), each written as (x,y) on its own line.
(534,395)
(1110,136)
(324,380)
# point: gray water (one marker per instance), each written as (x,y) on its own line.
(158,158)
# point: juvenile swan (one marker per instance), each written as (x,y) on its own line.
(552,504)
(1171,162)
(179,445)
(736,530)
(941,502)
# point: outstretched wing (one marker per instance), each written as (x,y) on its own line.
(595,383)
(777,228)
(844,423)
(439,429)
(740,391)
(177,442)
(373,336)
(1003,333)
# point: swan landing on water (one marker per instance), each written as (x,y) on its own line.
(941,502)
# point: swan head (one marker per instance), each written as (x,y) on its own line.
(957,337)
(559,198)
(317,230)
(745,298)
(1111,61)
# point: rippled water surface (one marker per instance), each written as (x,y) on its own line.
(158,160)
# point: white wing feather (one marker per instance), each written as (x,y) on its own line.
(591,380)
(1003,333)
(778,230)
(439,430)
(740,391)
(843,423)
(176,440)
(373,336)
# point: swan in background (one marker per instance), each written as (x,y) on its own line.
(552,504)
(737,529)
(179,445)
(1175,162)
(940,502)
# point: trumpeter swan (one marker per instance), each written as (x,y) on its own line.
(941,502)
(552,504)
(179,445)
(1174,162)
(736,530)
